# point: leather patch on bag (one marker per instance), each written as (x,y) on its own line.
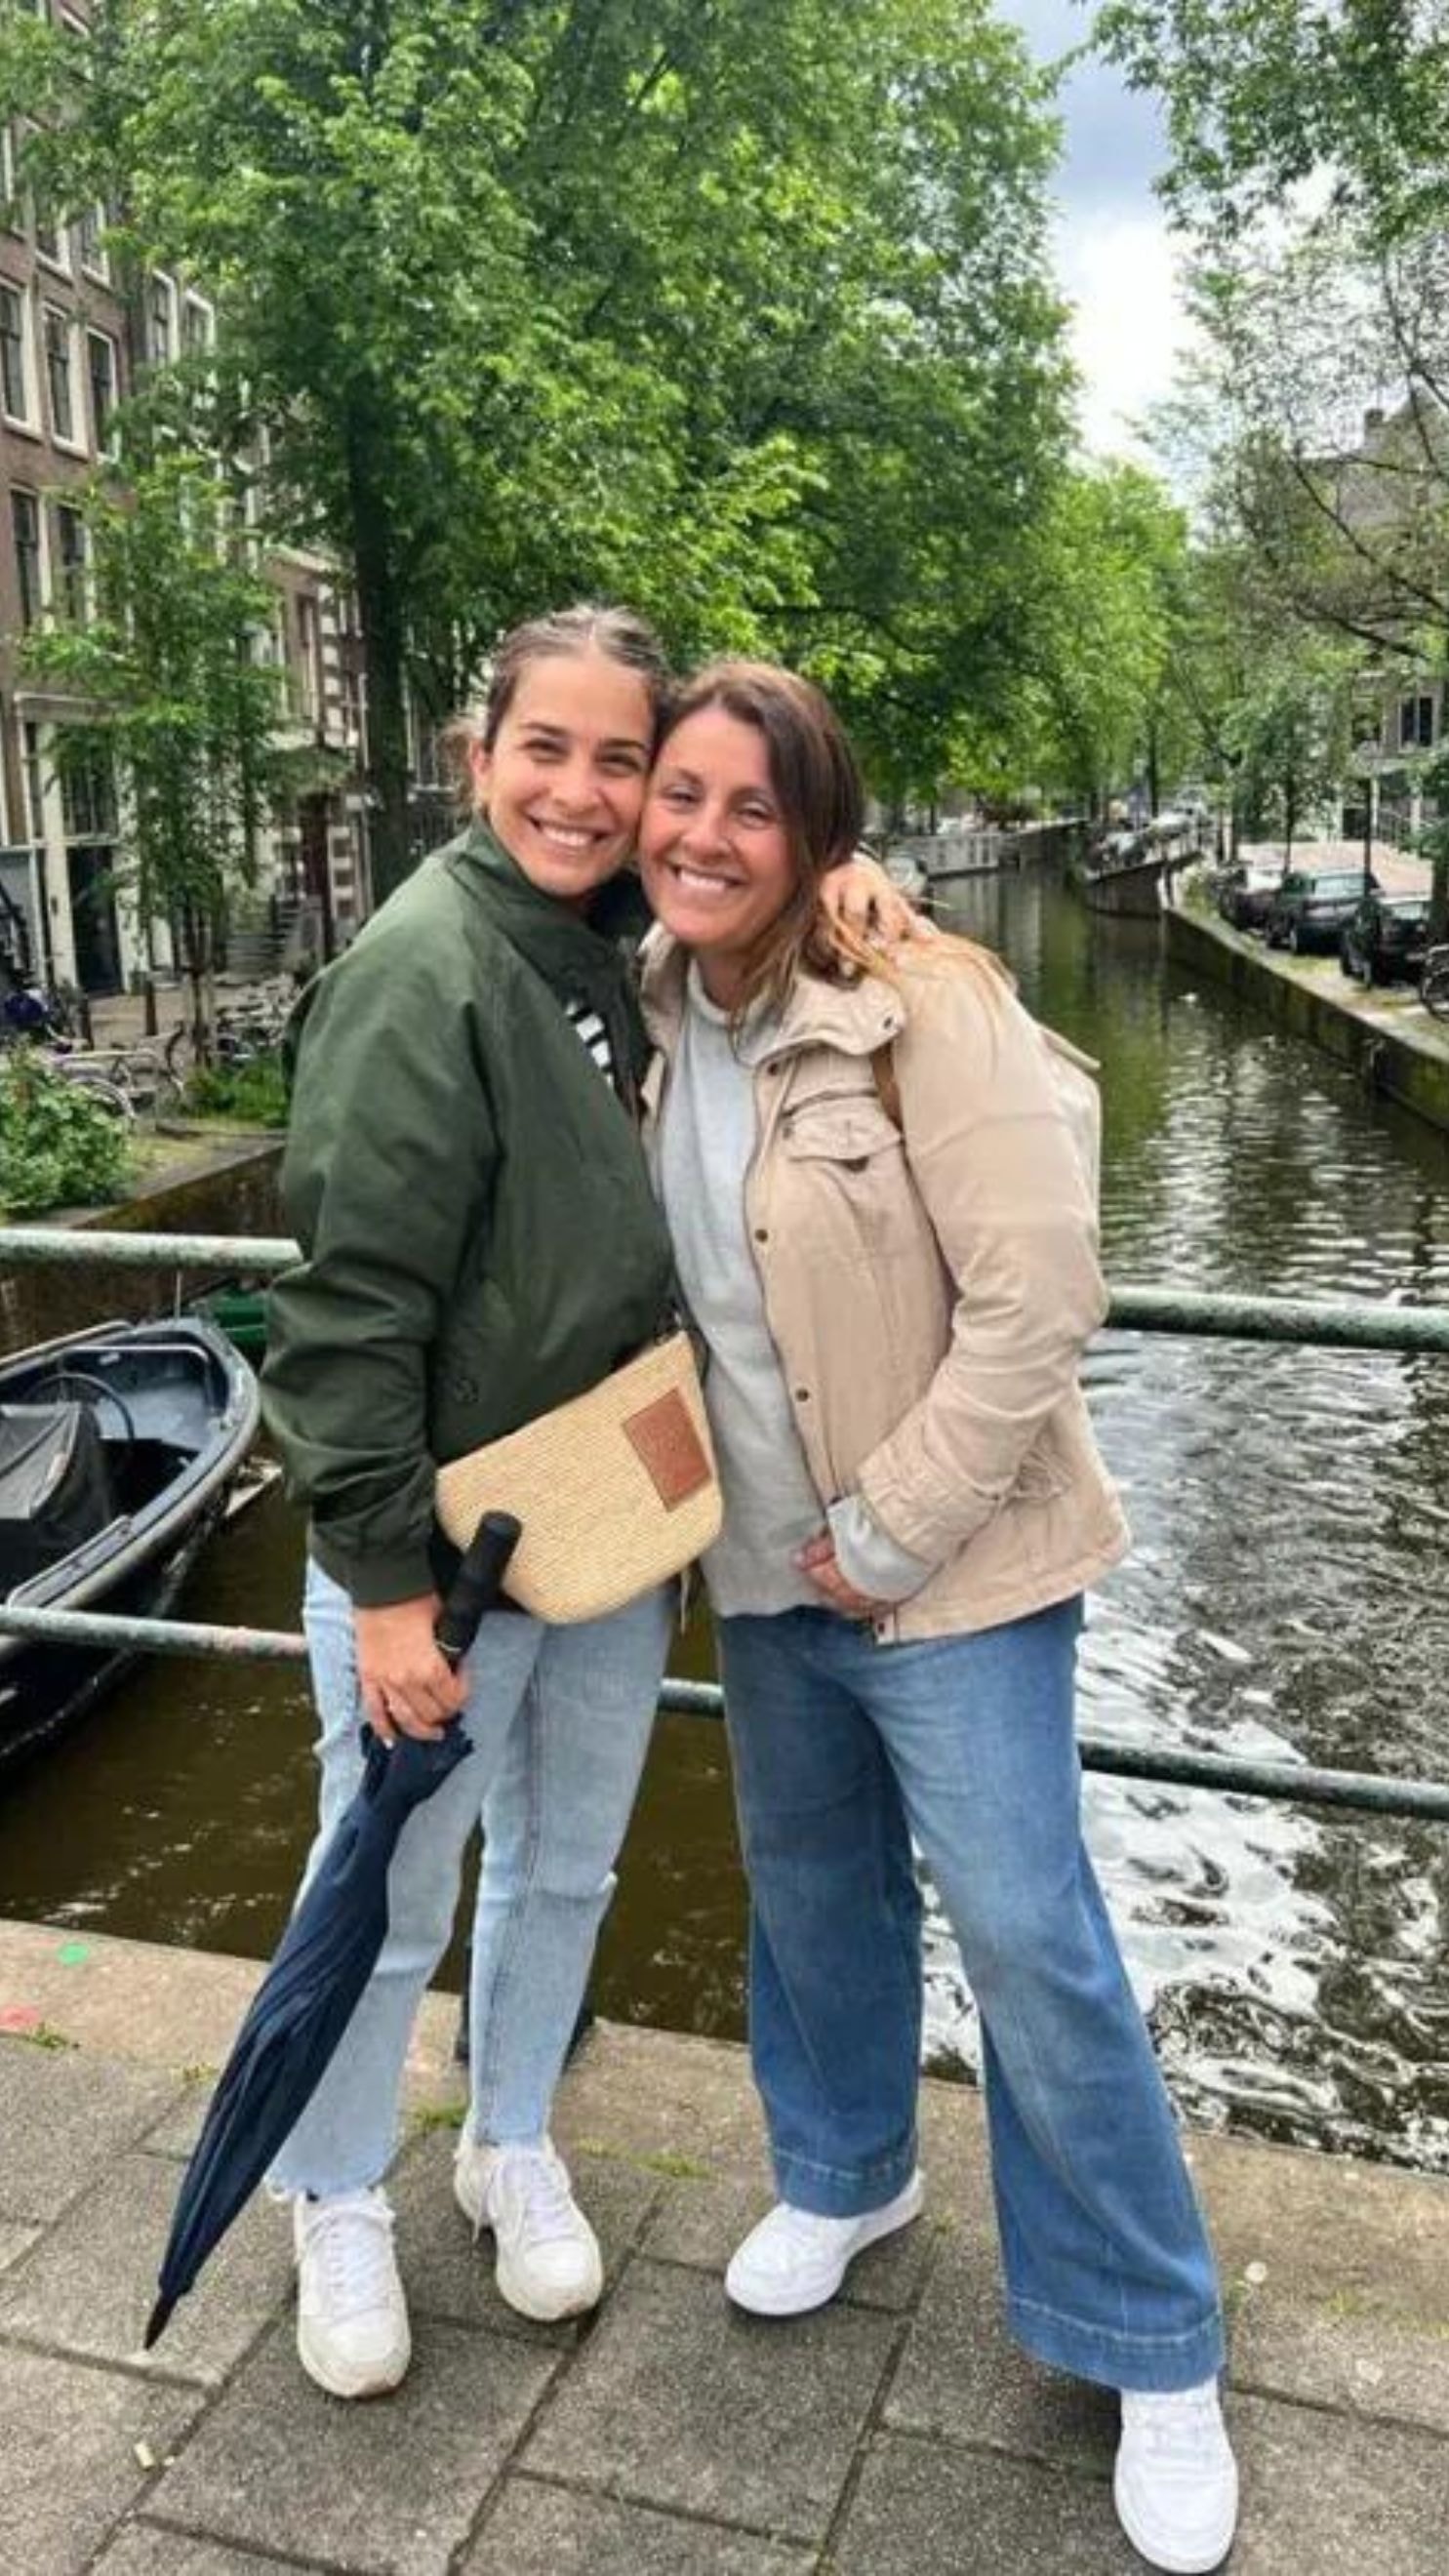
(663,1436)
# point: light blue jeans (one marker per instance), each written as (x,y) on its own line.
(560,1720)
(843,1750)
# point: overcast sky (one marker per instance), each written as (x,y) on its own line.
(1114,259)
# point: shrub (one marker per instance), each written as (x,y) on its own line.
(59,1146)
(254,1092)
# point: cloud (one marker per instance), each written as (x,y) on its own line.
(1115,259)
(1129,326)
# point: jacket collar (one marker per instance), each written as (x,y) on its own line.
(577,960)
(855,1019)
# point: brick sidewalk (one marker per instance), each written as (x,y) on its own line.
(896,2433)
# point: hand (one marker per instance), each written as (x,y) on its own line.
(817,1560)
(859,897)
(408,1687)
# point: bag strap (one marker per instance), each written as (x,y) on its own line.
(883,1075)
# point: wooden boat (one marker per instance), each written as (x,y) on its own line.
(116,1450)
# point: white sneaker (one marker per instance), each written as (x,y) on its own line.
(548,2262)
(796,2260)
(352,2318)
(1176,2482)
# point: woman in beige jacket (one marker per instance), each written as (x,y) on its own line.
(880,1184)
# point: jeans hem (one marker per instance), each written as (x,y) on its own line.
(837,2191)
(1156,2363)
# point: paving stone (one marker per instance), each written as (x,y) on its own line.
(64,2115)
(177,2134)
(89,2285)
(701,2223)
(1324,2495)
(960,2376)
(68,2460)
(448,2276)
(1333,2354)
(148,2549)
(15,2241)
(677,2400)
(974,2513)
(1328,2228)
(536,2530)
(390,2489)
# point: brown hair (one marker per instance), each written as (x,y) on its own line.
(585,628)
(821,795)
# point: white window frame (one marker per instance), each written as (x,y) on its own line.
(71,441)
(82,612)
(1410,702)
(192,304)
(103,439)
(29,419)
(27,492)
(97,263)
(12,204)
(158,277)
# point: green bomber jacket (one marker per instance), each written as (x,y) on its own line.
(479,1237)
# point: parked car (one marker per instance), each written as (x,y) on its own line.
(1386,939)
(1311,907)
(1245,890)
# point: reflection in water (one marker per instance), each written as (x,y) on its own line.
(1285,1597)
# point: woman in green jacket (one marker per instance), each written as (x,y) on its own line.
(480,1243)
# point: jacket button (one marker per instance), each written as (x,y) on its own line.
(802,1394)
(762,1234)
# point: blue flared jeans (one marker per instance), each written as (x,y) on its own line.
(560,1720)
(844,1751)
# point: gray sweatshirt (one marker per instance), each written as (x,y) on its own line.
(705,1144)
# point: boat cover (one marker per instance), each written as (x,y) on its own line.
(55,1487)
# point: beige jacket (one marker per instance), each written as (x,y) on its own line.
(929,1286)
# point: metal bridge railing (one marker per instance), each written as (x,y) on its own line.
(1345,1324)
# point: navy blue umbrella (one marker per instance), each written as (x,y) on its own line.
(327,1954)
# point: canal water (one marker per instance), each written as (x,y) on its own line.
(1286,1598)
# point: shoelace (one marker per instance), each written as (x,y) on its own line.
(350,2241)
(1179,2428)
(545,2202)
(803,2229)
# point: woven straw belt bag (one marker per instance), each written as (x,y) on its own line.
(616,1491)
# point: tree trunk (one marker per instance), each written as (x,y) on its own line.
(383,636)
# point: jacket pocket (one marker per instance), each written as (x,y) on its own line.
(846,1128)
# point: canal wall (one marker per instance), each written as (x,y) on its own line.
(230,1187)
(1364,1030)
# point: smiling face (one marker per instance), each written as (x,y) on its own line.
(714,846)
(562,783)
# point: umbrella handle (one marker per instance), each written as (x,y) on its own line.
(477,1584)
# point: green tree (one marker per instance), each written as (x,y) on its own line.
(157,652)
(739,313)
(1101,609)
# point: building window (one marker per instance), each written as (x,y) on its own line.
(93,255)
(196,325)
(25,526)
(34,782)
(70,561)
(161,316)
(87,792)
(14,355)
(1416,722)
(51,240)
(308,658)
(12,213)
(101,364)
(59,384)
